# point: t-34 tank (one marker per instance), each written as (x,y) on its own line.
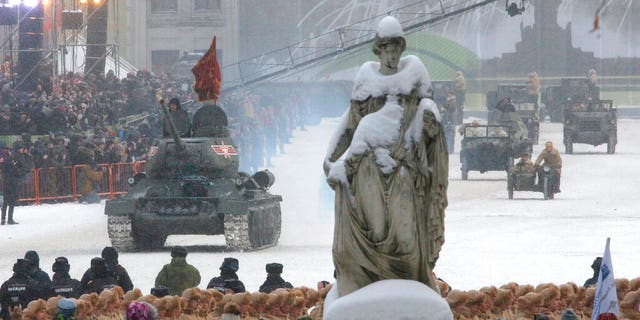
(192,186)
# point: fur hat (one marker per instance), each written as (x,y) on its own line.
(179,252)
(230,265)
(530,299)
(148,298)
(274,267)
(91,298)
(32,309)
(503,297)
(130,296)
(52,305)
(140,310)
(192,294)
(456,297)
(231,311)
(215,294)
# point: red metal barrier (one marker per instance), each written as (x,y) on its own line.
(63,184)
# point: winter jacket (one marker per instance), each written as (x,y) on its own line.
(63,285)
(91,177)
(122,276)
(178,276)
(20,289)
(43,282)
(273,282)
(218,282)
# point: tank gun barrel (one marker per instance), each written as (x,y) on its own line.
(172,127)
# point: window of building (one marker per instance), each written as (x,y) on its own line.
(163,60)
(160,6)
(207,4)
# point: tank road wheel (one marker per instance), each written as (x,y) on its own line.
(259,228)
(121,233)
(611,145)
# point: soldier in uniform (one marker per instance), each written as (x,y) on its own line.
(524,165)
(209,120)
(178,275)
(62,284)
(19,289)
(551,157)
(180,120)
(228,272)
(274,279)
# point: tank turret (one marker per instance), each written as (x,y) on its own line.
(192,186)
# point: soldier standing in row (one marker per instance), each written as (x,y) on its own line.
(178,275)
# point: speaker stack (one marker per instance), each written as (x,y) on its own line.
(30,37)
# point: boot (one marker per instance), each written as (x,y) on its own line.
(11,221)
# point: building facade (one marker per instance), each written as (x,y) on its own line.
(155,34)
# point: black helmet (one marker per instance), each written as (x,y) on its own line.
(61,264)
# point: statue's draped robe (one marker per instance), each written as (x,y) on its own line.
(389,214)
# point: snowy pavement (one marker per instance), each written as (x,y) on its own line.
(490,240)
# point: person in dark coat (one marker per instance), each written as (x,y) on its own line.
(180,120)
(110,255)
(595,265)
(62,284)
(209,120)
(11,177)
(97,277)
(41,277)
(19,289)
(178,275)
(228,271)
(274,279)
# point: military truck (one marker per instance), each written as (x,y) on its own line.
(570,91)
(595,123)
(485,148)
(525,105)
(192,186)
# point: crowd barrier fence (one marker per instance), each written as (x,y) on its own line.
(62,184)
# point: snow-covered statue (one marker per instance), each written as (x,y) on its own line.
(388,165)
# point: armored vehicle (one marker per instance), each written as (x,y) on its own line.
(570,91)
(525,105)
(192,186)
(595,123)
(485,148)
(526,181)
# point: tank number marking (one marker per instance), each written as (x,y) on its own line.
(224,150)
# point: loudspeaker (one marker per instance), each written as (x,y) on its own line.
(8,16)
(96,38)
(30,36)
(71,19)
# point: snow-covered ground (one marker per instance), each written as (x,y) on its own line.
(489,239)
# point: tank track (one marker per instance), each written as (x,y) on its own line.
(240,236)
(121,233)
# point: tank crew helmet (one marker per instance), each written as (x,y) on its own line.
(61,264)
(274,267)
(230,265)
(176,102)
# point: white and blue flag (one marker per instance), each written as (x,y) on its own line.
(606,298)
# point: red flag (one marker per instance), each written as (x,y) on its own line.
(207,73)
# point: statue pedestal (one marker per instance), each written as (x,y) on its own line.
(388,299)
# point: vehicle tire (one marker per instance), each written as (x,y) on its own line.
(611,145)
(545,187)
(121,233)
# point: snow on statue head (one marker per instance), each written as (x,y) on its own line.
(389,27)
